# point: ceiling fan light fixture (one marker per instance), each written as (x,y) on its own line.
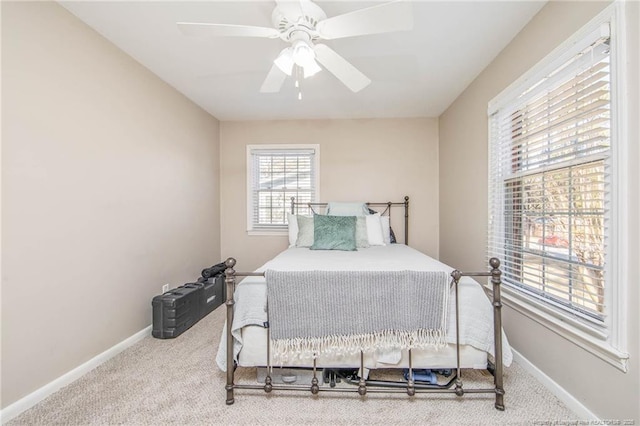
(285,61)
(303,54)
(300,54)
(311,69)
(305,57)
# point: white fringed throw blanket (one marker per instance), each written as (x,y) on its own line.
(334,312)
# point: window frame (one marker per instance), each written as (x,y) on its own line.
(608,343)
(251,230)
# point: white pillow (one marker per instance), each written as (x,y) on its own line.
(305,231)
(386,229)
(293,229)
(374,230)
(347,209)
(362,236)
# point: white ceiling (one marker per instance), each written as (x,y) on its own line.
(416,73)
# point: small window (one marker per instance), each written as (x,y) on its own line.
(276,173)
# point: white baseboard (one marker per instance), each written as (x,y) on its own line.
(569,400)
(33,398)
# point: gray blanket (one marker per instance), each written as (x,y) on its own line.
(317,312)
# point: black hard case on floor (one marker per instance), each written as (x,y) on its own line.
(178,309)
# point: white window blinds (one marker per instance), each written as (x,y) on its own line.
(549,183)
(276,175)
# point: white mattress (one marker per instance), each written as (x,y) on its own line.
(476,312)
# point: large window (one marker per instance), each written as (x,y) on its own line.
(552,184)
(275,174)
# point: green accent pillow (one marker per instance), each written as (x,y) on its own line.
(334,233)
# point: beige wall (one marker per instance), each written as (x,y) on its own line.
(367,160)
(606,391)
(109,189)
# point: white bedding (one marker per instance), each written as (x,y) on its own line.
(476,312)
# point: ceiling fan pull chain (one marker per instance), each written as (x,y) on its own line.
(299,73)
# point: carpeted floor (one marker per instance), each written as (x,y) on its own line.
(176,381)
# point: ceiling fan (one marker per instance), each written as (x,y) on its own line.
(302,23)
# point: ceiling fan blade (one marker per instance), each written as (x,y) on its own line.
(290,9)
(341,68)
(294,9)
(384,18)
(273,82)
(225,30)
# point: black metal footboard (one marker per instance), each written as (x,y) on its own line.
(455,385)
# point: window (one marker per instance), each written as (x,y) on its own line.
(275,174)
(553,176)
(555,148)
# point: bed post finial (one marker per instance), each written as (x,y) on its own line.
(230,262)
(494,262)
(293,205)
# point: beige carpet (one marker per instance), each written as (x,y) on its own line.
(175,381)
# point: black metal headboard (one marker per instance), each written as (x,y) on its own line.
(386,211)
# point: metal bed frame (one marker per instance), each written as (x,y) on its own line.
(454,385)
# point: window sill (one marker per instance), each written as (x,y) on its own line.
(266,232)
(571,329)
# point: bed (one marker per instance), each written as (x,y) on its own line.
(397,307)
